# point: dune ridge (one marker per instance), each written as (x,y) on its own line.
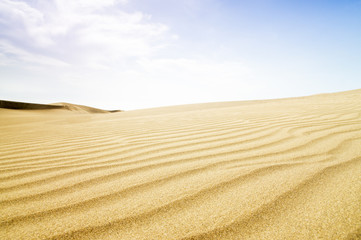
(64,106)
(270,169)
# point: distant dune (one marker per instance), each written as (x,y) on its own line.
(270,169)
(27,106)
(36,106)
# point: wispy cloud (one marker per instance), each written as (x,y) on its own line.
(80,31)
(12,55)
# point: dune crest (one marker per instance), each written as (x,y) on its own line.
(64,106)
(270,169)
(27,106)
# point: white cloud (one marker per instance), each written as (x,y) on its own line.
(27,21)
(12,55)
(84,5)
(81,30)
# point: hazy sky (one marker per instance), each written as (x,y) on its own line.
(129,54)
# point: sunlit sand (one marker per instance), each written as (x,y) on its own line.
(271,169)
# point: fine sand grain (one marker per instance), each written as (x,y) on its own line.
(271,169)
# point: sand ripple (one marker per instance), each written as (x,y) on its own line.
(276,169)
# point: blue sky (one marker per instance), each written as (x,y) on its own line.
(130,54)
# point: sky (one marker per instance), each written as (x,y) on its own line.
(133,54)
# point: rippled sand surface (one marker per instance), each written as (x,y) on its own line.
(273,169)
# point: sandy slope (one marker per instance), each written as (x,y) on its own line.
(277,169)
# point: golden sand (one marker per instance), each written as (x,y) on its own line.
(274,169)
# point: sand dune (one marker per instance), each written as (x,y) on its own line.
(64,106)
(271,169)
(27,106)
